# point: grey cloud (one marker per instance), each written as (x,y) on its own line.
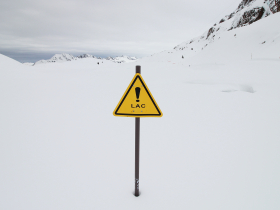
(120,27)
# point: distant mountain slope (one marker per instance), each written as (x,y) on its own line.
(86,56)
(252,31)
(260,40)
(248,12)
(67,57)
(58,58)
(122,59)
(5,62)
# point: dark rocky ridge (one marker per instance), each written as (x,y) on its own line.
(250,17)
(256,13)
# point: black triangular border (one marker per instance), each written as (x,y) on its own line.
(149,96)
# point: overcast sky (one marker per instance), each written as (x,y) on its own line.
(31,30)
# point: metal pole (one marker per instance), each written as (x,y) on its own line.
(137,146)
(137,154)
(138,69)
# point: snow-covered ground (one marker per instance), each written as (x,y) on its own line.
(216,146)
(28,63)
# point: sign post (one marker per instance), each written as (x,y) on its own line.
(137,101)
(137,145)
(137,154)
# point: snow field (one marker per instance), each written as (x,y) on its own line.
(62,148)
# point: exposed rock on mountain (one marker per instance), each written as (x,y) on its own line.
(122,59)
(274,5)
(86,56)
(249,17)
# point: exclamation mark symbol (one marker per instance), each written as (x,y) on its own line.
(137,91)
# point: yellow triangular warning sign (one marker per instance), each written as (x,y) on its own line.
(137,101)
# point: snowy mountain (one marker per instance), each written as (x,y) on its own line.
(122,59)
(68,57)
(58,58)
(86,56)
(248,12)
(7,62)
(253,24)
